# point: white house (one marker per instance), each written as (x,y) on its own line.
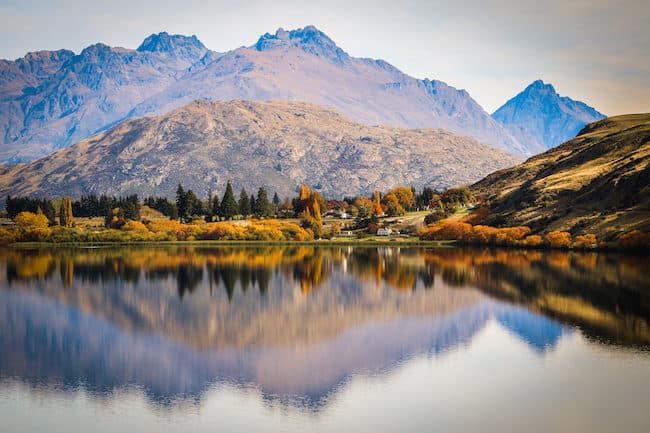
(384,232)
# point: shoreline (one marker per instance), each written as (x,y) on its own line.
(390,242)
(356,242)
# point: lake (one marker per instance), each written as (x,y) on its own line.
(340,339)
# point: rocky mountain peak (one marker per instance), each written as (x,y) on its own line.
(541,119)
(163,42)
(309,39)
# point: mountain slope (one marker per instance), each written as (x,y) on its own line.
(599,182)
(50,100)
(279,144)
(541,119)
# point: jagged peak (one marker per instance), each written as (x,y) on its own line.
(540,86)
(308,38)
(163,42)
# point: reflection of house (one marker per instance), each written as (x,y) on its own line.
(384,232)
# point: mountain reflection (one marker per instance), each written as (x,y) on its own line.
(296,322)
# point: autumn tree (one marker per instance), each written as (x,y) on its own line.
(405,196)
(393,206)
(30,220)
(66,218)
(376,204)
(311,211)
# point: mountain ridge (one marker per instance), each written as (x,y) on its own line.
(77,95)
(278,144)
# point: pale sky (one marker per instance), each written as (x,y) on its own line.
(596,51)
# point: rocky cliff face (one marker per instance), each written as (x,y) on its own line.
(50,100)
(278,144)
(539,118)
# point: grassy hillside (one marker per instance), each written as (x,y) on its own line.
(599,183)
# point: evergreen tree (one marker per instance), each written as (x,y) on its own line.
(244,203)
(229,206)
(276,203)
(262,204)
(216,211)
(181,203)
(253,201)
(208,206)
(63,214)
(194,205)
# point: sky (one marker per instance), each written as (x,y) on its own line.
(596,51)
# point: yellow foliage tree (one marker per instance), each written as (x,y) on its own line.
(393,206)
(30,220)
(376,204)
(404,196)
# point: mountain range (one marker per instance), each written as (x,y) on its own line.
(540,119)
(52,99)
(278,144)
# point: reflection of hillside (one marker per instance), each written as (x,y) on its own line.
(296,322)
(45,342)
(147,290)
(608,296)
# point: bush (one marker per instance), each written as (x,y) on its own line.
(29,220)
(558,239)
(533,241)
(634,240)
(446,230)
(587,241)
(135,226)
(7,236)
(434,217)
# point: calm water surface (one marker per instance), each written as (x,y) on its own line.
(304,339)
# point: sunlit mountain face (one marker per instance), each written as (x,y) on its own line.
(300,325)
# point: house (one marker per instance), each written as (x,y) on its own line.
(384,232)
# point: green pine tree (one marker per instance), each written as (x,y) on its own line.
(181,203)
(262,204)
(244,203)
(229,206)
(276,203)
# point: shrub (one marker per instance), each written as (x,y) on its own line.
(634,240)
(557,239)
(447,230)
(135,226)
(533,241)
(435,217)
(7,236)
(29,220)
(586,241)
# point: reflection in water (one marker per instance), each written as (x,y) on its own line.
(296,323)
